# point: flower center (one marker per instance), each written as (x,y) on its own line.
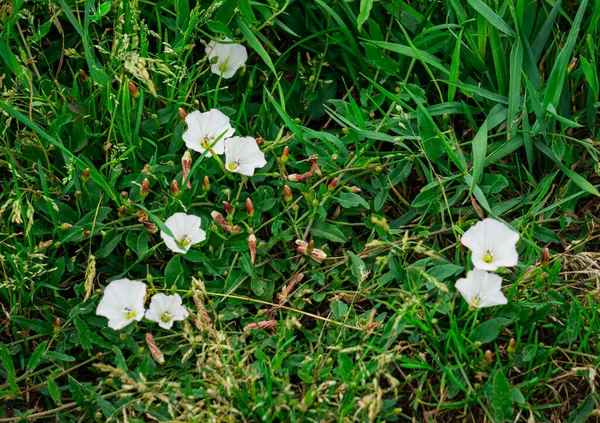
(129,313)
(166,317)
(185,240)
(488,257)
(206,141)
(476,300)
(234,164)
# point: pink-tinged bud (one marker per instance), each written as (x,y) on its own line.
(186,166)
(318,255)
(57,325)
(252,247)
(83,75)
(228,207)
(156,353)
(86,234)
(221,221)
(302,245)
(249,207)
(175,188)
(151,227)
(264,325)
(145,187)
(545,256)
(133,89)
(293,282)
(124,195)
(66,226)
(205,184)
(334,157)
(86,174)
(332,184)
(182,114)
(287,193)
(355,189)
(122,211)
(285,157)
(78,194)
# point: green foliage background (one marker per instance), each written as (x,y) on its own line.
(439,113)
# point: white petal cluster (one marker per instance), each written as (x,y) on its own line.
(207,131)
(226,57)
(186,232)
(493,244)
(123,303)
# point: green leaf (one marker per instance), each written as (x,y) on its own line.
(327,231)
(55,355)
(339,309)
(489,330)
(357,267)
(501,397)
(36,357)
(109,243)
(479,151)
(365,11)
(584,411)
(413,53)
(174,272)
(349,199)
(491,17)
(84,333)
(9,368)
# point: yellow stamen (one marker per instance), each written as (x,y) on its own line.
(166,317)
(232,166)
(488,256)
(130,314)
(185,241)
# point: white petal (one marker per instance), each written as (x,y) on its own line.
(474,238)
(118,295)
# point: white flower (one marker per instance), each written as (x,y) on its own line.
(186,232)
(230,57)
(207,130)
(492,244)
(166,309)
(122,303)
(481,289)
(242,155)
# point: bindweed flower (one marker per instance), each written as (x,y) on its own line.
(166,309)
(226,57)
(207,131)
(492,244)
(242,155)
(186,232)
(122,303)
(481,289)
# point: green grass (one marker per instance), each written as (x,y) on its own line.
(441,113)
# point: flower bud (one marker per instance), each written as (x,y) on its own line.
(145,187)
(302,245)
(57,325)
(545,256)
(83,75)
(78,194)
(332,184)
(287,193)
(151,227)
(86,233)
(265,325)
(221,221)
(205,184)
(175,188)
(285,157)
(133,90)
(355,189)
(318,255)
(488,356)
(249,207)
(511,349)
(228,207)
(252,247)
(122,211)
(65,226)
(186,165)
(182,114)
(86,174)
(156,353)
